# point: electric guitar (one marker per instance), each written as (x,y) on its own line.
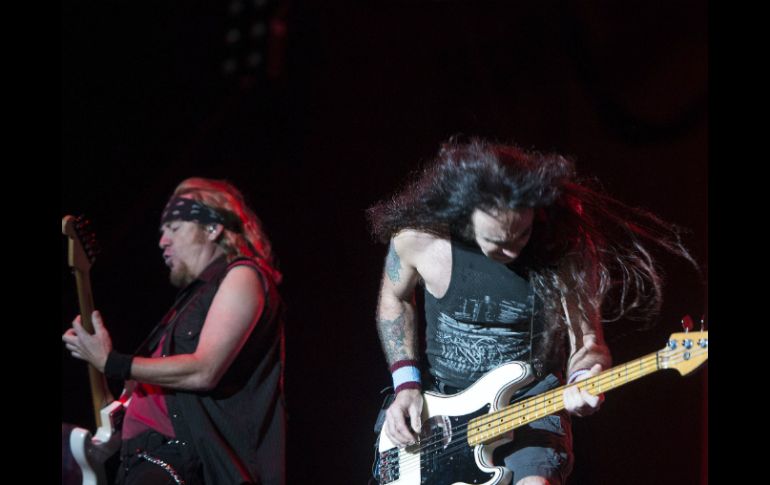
(91,451)
(461,431)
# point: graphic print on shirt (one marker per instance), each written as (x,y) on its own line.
(475,348)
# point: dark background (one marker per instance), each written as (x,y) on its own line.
(345,100)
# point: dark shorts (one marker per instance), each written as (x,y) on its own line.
(543,447)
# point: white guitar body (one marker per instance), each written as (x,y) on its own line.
(91,452)
(490,393)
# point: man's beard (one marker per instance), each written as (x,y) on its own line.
(180,276)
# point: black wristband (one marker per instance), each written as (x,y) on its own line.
(118,366)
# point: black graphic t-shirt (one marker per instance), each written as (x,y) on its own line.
(483,320)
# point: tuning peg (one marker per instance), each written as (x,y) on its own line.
(687,323)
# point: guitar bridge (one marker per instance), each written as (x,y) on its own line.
(388,466)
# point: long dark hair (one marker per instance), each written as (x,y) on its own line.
(585,245)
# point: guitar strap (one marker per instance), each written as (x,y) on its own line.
(389,398)
(386,402)
(536,332)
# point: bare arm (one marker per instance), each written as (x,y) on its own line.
(395,308)
(589,352)
(586,338)
(234,312)
(398,332)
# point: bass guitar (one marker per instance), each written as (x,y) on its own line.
(460,432)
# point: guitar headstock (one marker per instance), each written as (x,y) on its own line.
(685,351)
(82,243)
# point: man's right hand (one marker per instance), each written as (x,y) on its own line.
(403,418)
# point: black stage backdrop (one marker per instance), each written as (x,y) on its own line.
(316,110)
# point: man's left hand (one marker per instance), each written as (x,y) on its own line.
(91,348)
(579,401)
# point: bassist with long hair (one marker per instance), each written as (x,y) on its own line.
(519,261)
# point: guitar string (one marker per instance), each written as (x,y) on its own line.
(460,445)
(535,400)
(412,460)
(409,462)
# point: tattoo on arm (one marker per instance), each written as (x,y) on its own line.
(393,337)
(392,264)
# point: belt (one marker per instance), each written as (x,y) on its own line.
(444,388)
(147,441)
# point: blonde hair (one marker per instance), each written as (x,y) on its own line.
(250,241)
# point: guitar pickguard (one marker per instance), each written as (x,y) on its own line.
(452,460)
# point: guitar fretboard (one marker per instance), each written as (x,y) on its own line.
(491,426)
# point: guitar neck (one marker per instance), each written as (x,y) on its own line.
(490,427)
(99,389)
